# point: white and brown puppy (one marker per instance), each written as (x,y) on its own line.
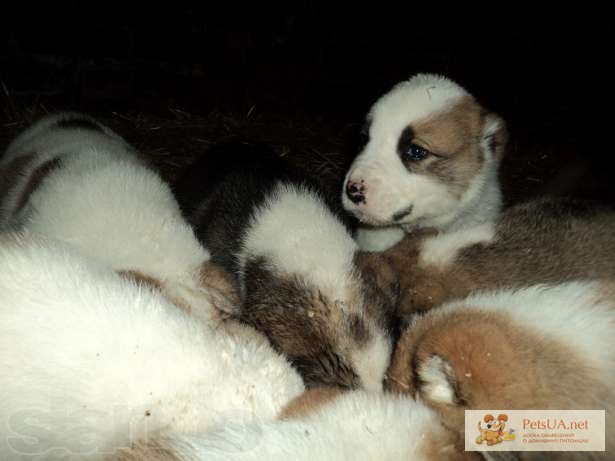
(91,363)
(541,347)
(354,426)
(73,179)
(544,241)
(303,282)
(430,160)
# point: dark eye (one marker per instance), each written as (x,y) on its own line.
(415,152)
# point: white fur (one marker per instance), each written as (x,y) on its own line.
(299,235)
(371,362)
(442,249)
(110,206)
(91,362)
(378,238)
(391,187)
(575,314)
(355,427)
(435,374)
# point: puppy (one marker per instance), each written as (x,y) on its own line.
(353,426)
(430,160)
(93,363)
(541,347)
(303,282)
(494,431)
(73,179)
(544,241)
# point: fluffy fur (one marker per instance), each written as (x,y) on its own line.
(354,427)
(303,281)
(91,362)
(101,198)
(431,159)
(544,241)
(472,353)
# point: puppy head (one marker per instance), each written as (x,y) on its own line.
(341,339)
(429,146)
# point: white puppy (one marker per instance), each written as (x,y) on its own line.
(91,362)
(73,179)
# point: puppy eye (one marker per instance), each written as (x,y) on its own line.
(416,153)
(495,422)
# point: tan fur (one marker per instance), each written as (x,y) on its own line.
(495,364)
(491,435)
(454,136)
(216,279)
(309,402)
(546,241)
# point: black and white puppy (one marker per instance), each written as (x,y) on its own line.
(302,279)
(430,160)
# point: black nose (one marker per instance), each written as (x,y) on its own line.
(488,426)
(355,192)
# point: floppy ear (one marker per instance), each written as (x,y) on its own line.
(437,381)
(488,418)
(503,418)
(494,136)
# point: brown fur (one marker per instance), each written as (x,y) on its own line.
(315,332)
(454,137)
(495,364)
(546,241)
(220,282)
(142,279)
(309,402)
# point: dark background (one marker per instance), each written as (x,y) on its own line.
(174,78)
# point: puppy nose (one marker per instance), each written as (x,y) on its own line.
(355,190)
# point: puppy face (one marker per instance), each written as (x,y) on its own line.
(344,342)
(428,146)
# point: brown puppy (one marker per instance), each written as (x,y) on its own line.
(542,347)
(545,241)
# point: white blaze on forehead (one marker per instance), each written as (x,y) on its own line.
(298,234)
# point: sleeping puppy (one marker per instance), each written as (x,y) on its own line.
(73,179)
(303,282)
(541,347)
(352,426)
(544,241)
(92,363)
(430,160)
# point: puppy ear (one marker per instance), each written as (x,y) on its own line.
(494,136)
(488,418)
(437,381)
(502,418)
